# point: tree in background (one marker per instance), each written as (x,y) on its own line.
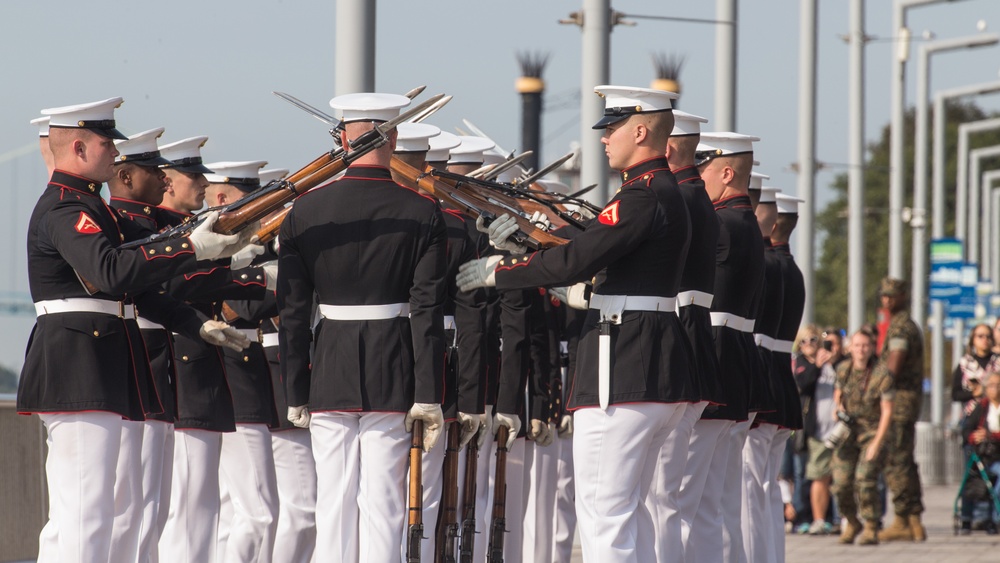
(831,276)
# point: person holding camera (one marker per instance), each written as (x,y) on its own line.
(863,396)
(981,431)
(979,360)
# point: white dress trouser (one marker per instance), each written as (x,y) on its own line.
(539,517)
(156,460)
(756,516)
(564,518)
(772,491)
(247,465)
(700,498)
(615,454)
(190,533)
(361,462)
(128,495)
(732,496)
(663,499)
(513,542)
(80,469)
(295,471)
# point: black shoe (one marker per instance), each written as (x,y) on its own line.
(966,528)
(991,529)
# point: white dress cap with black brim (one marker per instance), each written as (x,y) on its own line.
(244,174)
(687,124)
(272,174)
(788,204)
(622,102)
(415,137)
(757,180)
(43,125)
(98,117)
(471,150)
(767,194)
(440,146)
(141,149)
(723,143)
(185,155)
(369,106)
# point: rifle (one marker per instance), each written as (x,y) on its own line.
(415,529)
(457,193)
(236,216)
(271,225)
(498,523)
(468,543)
(446,533)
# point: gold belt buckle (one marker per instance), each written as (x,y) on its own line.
(260,335)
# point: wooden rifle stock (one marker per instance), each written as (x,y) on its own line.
(415,528)
(467,545)
(498,521)
(470,202)
(446,533)
(270,226)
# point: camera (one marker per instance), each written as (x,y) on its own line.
(840,432)
(828,345)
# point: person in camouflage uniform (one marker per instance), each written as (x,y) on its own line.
(864,391)
(903,356)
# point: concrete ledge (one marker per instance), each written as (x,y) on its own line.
(22,487)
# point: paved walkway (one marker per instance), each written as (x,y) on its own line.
(942,546)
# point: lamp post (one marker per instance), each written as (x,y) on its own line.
(354,47)
(807,151)
(725,67)
(989,226)
(856,171)
(975,174)
(919,220)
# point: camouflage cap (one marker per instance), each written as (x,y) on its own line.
(892,287)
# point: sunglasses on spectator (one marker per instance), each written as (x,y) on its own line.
(810,340)
(984,335)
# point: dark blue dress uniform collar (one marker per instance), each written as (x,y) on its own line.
(649,165)
(133,207)
(368,172)
(74,182)
(733,202)
(686,174)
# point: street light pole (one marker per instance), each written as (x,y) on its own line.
(919,220)
(975,175)
(807,151)
(354,47)
(596,47)
(962,177)
(989,226)
(725,67)
(856,171)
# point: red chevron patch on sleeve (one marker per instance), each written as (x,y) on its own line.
(85,225)
(610,214)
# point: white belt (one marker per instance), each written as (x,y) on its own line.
(636,302)
(84,305)
(694,297)
(449,322)
(364,312)
(252,334)
(764,341)
(269,340)
(146,324)
(784,346)
(732,321)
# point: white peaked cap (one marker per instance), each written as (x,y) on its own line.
(767,194)
(141,149)
(441,145)
(415,137)
(726,143)
(757,180)
(272,174)
(241,174)
(185,155)
(788,204)
(96,116)
(471,150)
(621,102)
(369,106)
(687,124)
(43,125)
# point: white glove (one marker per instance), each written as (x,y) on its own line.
(500,231)
(487,430)
(299,416)
(209,245)
(512,422)
(540,432)
(470,423)
(433,419)
(585,213)
(540,220)
(221,334)
(477,273)
(576,297)
(566,426)
(270,274)
(245,256)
